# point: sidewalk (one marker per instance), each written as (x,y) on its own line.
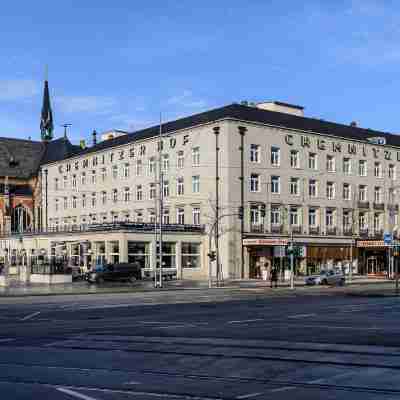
(75,288)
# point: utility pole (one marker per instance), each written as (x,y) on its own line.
(216,132)
(242,132)
(291,260)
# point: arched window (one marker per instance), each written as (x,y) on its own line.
(20,219)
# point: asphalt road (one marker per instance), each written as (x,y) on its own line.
(200,344)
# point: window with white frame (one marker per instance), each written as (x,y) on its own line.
(115,195)
(127,194)
(165,217)
(294,159)
(255,153)
(255,215)
(65,203)
(391,196)
(65,182)
(83,178)
(139,193)
(275,184)
(180,186)
(294,186)
(362,167)
(196,156)
(152,165)
(346,191)
(313,188)
(83,200)
(180,159)
(377,222)
(346,220)
(103,174)
(152,191)
(196,215)
(73,202)
(103,197)
(330,218)
(74,181)
(115,171)
(378,170)
(312,161)
(362,193)
(275,156)
(392,171)
(191,255)
(166,189)
(139,168)
(330,190)
(180,216)
(294,216)
(275,215)
(346,166)
(165,162)
(125,171)
(254,183)
(312,217)
(362,220)
(152,217)
(196,184)
(93,200)
(139,217)
(93,177)
(56,206)
(378,194)
(56,187)
(330,163)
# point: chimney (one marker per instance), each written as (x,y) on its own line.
(353,123)
(94,137)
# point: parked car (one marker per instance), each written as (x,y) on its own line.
(115,272)
(329,277)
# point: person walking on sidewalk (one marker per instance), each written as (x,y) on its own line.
(274,277)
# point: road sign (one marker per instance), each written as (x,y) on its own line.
(388,238)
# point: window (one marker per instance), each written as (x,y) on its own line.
(362,220)
(56,187)
(73,202)
(165,189)
(294,216)
(115,171)
(74,181)
(180,159)
(139,216)
(330,190)
(346,221)
(169,256)
(139,193)
(294,186)
(275,184)
(391,195)
(152,166)
(93,177)
(378,195)
(329,218)
(275,156)
(313,188)
(125,171)
(294,159)
(346,191)
(56,205)
(255,153)
(254,183)
(196,156)
(196,215)
(377,222)
(103,174)
(254,215)
(139,253)
(127,194)
(139,168)
(312,161)
(346,166)
(65,203)
(378,170)
(275,215)
(166,217)
(152,217)
(115,195)
(65,182)
(312,217)
(165,163)
(104,197)
(362,167)
(180,187)
(83,200)
(392,171)
(196,184)
(180,216)
(152,191)
(330,163)
(190,255)
(93,200)
(362,193)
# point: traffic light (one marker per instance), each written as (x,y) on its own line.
(262,210)
(212,255)
(240,212)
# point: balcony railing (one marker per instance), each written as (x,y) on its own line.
(378,233)
(257,228)
(277,229)
(295,229)
(313,230)
(347,231)
(363,204)
(379,206)
(363,232)
(331,230)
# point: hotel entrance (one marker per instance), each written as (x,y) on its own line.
(373,258)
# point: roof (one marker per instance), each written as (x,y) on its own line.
(253,115)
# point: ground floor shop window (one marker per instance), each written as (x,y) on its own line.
(169,255)
(139,253)
(190,255)
(114,252)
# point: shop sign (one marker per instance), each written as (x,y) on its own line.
(265,242)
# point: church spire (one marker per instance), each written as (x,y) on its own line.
(46,121)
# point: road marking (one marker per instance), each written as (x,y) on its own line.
(302,315)
(245,320)
(248,396)
(282,389)
(6,340)
(75,394)
(30,316)
(132,383)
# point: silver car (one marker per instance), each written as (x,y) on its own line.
(329,277)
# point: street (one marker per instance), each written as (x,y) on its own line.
(201,344)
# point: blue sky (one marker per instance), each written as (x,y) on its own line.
(118,64)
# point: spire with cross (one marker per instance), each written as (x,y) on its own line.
(46,121)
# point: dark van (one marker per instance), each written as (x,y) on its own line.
(115,272)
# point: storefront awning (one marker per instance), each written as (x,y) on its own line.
(371,243)
(265,242)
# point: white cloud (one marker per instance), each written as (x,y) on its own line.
(18,89)
(86,104)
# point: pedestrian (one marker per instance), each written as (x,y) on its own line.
(274,277)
